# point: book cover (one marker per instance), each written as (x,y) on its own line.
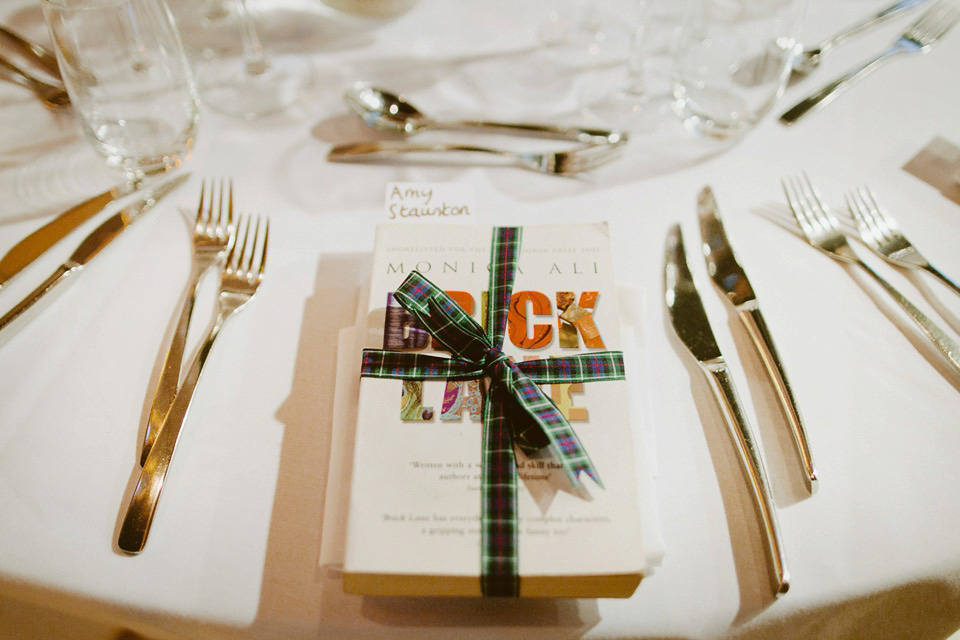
(414,517)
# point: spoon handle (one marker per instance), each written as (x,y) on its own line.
(578,134)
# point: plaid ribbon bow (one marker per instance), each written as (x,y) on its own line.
(516,411)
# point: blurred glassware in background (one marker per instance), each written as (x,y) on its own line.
(371,8)
(128,79)
(627,101)
(248,81)
(731,62)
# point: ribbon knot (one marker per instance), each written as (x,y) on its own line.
(494,363)
(516,412)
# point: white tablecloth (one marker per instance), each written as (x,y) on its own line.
(234,549)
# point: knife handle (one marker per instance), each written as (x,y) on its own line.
(26,309)
(752,464)
(763,341)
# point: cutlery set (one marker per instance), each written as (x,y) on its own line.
(920,37)
(390,113)
(877,230)
(822,230)
(238,249)
(692,326)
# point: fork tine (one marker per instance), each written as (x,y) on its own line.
(856,207)
(263,253)
(587,158)
(869,216)
(203,187)
(248,269)
(886,224)
(797,206)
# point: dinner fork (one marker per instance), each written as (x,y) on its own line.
(881,233)
(918,38)
(577,160)
(212,233)
(822,231)
(241,276)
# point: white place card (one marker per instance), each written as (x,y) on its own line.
(434,202)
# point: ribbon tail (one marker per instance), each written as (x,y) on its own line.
(499,526)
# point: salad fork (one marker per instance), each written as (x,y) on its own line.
(577,160)
(821,230)
(239,281)
(919,38)
(212,233)
(882,234)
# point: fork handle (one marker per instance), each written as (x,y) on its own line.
(827,94)
(170,373)
(143,503)
(361,150)
(576,134)
(942,277)
(943,342)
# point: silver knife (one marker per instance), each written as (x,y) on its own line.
(88,249)
(31,247)
(730,278)
(690,322)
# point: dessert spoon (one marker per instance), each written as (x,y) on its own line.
(386,111)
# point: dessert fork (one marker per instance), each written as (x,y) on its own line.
(882,235)
(239,281)
(212,234)
(822,231)
(577,160)
(918,38)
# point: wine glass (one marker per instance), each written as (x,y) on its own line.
(252,83)
(128,79)
(629,104)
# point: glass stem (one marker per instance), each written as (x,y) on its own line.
(256,59)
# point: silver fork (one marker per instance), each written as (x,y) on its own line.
(577,160)
(241,276)
(881,233)
(922,35)
(822,231)
(212,233)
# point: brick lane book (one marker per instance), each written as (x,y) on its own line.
(414,510)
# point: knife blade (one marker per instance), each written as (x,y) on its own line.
(88,249)
(692,326)
(731,279)
(33,246)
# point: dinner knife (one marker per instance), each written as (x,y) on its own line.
(84,253)
(730,278)
(693,328)
(33,246)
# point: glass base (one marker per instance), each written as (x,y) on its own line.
(627,109)
(238,88)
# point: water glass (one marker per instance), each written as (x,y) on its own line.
(731,61)
(129,81)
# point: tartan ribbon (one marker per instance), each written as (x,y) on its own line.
(516,411)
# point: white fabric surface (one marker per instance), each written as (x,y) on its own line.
(234,548)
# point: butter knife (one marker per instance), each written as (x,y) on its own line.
(693,328)
(33,246)
(84,253)
(730,278)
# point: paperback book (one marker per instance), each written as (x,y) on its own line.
(414,517)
